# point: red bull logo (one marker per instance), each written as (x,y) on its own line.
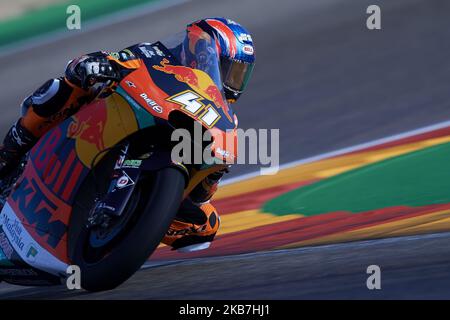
(101,125)
(89,126)
(199,81)
(182,74)
(216,96)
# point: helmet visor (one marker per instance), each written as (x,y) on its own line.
(236,74)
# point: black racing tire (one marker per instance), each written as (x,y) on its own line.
(157,207)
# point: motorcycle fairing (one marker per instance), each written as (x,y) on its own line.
(41,203)
(164,71)
(26,254)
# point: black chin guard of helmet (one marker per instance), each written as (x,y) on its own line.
(231,94)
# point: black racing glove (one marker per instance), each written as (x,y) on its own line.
(95,69)
(87,71)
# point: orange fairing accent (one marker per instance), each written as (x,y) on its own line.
(142,83)
(32,122)
(38,126)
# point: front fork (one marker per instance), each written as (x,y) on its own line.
(124,178)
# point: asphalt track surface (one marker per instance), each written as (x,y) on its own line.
(327,272)
(327,82)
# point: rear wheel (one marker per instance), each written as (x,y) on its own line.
(108,256)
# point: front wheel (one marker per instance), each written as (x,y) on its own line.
(107,258)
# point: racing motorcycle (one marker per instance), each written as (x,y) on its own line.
(100,190)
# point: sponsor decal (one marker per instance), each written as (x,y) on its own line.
(124,181)
(158,109)
(25,246)
(130,84)
(37,211)
(6,251)
(16,136)
(151,103)
(115,55)
(223,153)
(32,252)
(245,37)
(248,49)
(105,206)
(158,51)
(129,52)
(132,164)
(148,52)
(6,248)
(14,229)
(119,163)
(123,55)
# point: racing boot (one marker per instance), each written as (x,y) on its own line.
(16,144)
(193,228)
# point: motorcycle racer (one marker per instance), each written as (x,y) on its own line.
(95,75)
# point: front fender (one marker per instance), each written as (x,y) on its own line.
(158,160)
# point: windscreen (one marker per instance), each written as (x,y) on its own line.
(196,49)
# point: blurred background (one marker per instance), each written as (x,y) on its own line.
(321,76)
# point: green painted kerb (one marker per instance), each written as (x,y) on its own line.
(414,179)
(53,18)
